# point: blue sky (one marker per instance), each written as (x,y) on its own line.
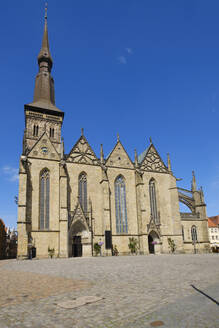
(139,68)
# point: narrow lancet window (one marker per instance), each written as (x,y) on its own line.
(82,191)
(121,209)
(44,199)
(51,133)
(153,201)
(35,130)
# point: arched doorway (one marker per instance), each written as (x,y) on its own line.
(76,234)
(79,239)
(153,243)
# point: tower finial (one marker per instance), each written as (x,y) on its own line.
(82,132)
(169,162)
(101,154)
(117,136)
(136,158)
(46,8)
(194,187)
(150,140)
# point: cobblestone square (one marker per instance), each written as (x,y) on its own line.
(134,291)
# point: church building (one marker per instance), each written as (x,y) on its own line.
(70,201)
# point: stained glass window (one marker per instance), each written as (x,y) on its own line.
(44,199)
(153,201)
(194,233)
(82,186)
(121,209)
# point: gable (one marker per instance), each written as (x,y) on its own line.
(152,161)
(78,215)
(119,157)
(82,153)
(44,149)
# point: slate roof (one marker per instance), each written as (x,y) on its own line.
(142,155)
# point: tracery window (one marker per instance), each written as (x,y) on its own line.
(153,201)
(44,199)
(120,202)
(194,233)
(35,130)
(82,191)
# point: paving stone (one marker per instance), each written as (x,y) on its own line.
(134,290)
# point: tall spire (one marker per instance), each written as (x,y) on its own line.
(44,93)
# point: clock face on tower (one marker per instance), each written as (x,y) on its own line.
(44,150)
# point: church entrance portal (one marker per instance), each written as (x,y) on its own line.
(76,246)
(79,239)
(153,242)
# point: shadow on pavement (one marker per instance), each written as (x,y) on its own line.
(210,298)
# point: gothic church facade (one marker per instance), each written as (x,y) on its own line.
(69,202)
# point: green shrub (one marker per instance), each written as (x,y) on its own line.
(97,248)
(133,245)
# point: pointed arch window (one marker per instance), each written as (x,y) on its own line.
(120,202)
(35,130)
(153,201)
(194,234)
(44,199)
(51,132)
(82,191)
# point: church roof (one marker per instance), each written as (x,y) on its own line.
(142,155)
(213,221)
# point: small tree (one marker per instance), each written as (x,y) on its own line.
(172,245)
(51,252)
(133,245)
(97,248)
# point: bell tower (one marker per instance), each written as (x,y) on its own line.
(38,207)
(42,115)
